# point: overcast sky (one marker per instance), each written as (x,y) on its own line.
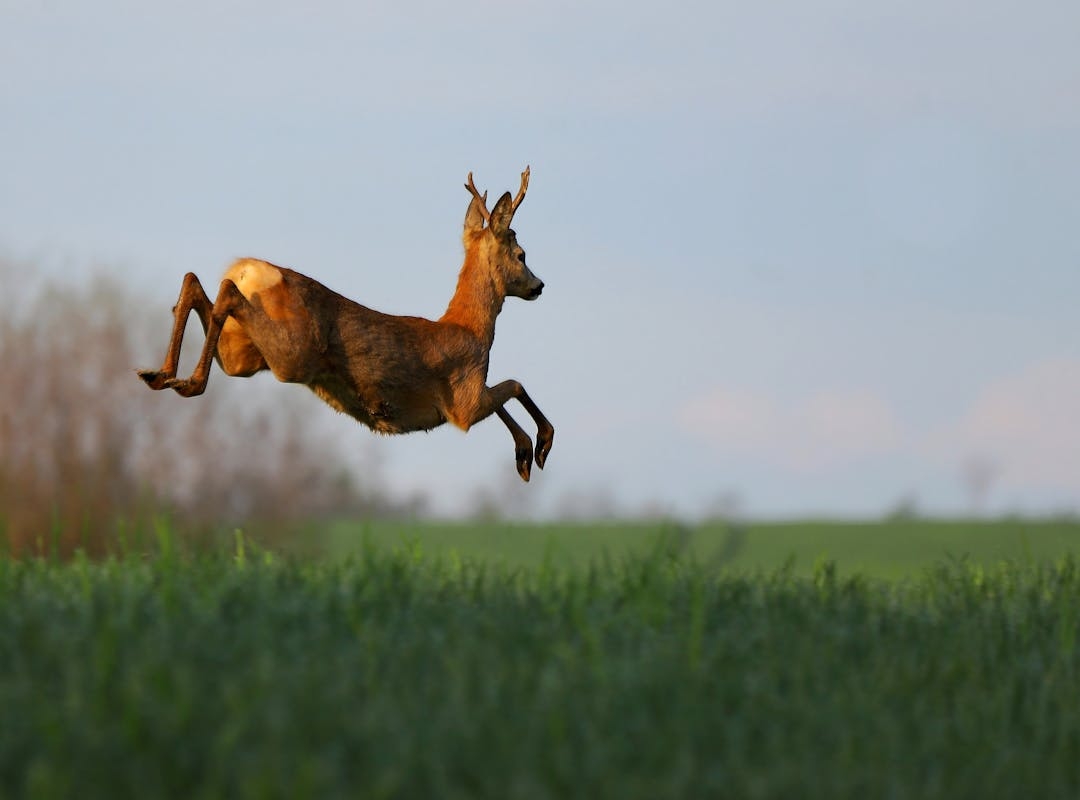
(816,256)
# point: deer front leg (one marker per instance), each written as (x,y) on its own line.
(522,444)
(192,297)
(495,398)
(229,302)
(545,431)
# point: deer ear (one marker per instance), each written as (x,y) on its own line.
(474,217)
(502,214)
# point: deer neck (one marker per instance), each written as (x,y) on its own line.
(477,300)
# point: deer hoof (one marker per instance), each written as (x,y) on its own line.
(184,388)
(524,464)
(543,447)
(153,378)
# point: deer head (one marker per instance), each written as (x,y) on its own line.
(497,243)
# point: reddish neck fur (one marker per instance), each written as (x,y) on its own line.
(477,300)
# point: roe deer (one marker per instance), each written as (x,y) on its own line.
(394,374)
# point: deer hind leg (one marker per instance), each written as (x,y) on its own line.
(494,400)
(192,298)
(229,303)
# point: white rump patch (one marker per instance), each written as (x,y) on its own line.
(252,276)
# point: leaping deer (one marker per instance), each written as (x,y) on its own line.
(394,374)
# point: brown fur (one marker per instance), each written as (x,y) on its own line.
(395,374)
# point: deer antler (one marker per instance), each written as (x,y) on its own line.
(481,197)
(521,191)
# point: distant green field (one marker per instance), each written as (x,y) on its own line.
(388,673)
(888,549)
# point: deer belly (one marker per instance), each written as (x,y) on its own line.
(380,413)
(401,414)
(406,418)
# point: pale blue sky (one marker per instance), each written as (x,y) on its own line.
(816,254)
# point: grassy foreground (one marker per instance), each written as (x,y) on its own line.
(394,675)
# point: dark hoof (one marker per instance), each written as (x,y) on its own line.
(524,464)
(543,447)
(153,378)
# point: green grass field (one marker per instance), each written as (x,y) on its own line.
(890,549)
(652,671)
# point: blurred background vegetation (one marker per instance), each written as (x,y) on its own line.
(86,451)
